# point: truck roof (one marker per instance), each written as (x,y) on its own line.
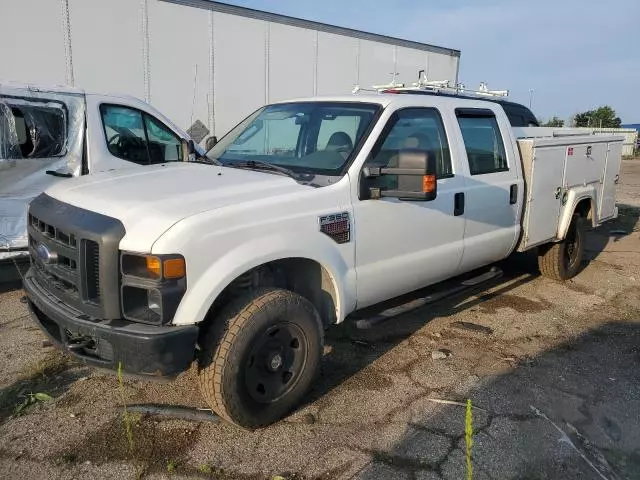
(519,115)
(18,89)
(386,99)
(60,89)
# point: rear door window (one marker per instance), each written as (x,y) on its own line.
(482,141)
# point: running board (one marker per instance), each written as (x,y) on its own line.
(370,322)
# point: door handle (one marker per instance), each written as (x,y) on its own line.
(458,204)
(513,194)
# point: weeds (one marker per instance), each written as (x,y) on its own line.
(172,465)
(128,423)
(30,399)
(54,363)
(468,437)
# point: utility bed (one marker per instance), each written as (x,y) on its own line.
(562,167)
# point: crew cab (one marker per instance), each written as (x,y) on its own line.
(50,134)
(304,213)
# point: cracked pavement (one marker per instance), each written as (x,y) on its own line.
(552,375)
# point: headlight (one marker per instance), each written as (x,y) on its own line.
(152,286)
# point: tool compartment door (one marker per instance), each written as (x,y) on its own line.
(544,181)
(607,204)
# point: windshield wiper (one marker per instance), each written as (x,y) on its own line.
(259,165)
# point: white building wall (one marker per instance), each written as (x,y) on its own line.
(179,40)
(32,45)
(201,63)
(106,45)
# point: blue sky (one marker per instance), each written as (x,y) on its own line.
(575,54)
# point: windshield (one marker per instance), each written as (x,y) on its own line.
(306,137)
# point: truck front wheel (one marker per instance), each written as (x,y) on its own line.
(562,261)
(260,357)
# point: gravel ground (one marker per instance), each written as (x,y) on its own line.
(551,370)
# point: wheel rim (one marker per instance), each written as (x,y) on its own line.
(572,248)
(275,362)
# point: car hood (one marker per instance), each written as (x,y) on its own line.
(149,200)
(21,180)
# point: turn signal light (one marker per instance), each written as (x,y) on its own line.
(154,266)
(174,268)
(170,269)
(428,183)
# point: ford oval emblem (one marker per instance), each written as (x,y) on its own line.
(45,255)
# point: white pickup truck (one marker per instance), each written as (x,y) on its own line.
(48,134)
(305,212)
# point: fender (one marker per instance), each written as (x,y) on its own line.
(574,196)
(258,251)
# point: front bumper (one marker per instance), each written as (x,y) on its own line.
(148,350)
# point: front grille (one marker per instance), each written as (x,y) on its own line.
(70,265)
(75,256)
(92,270)
(53,232)
(62,273)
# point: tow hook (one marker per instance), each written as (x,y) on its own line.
(80,344)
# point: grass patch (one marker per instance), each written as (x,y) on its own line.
(54,363)
(36,383)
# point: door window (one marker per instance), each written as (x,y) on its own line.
(482,141)
(137,137)
(413,128)
(164,145)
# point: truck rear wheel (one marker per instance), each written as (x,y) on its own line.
(260,357)
(562,261)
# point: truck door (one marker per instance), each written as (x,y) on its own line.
(121,135)
(404,245)
(493,189)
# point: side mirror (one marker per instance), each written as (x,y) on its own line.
(191,147)
(415,173)
(190,153)
(211,142)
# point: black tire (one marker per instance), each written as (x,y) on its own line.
(562,261)
(260,357)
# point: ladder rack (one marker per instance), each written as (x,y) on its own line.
(436,86)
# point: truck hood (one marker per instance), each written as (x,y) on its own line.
(149,200)
(21,180)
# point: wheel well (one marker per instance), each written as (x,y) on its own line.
(583,208)
(306,277)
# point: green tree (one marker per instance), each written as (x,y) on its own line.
(554,122)
(604,117)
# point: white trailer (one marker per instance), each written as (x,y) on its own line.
(199,59)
